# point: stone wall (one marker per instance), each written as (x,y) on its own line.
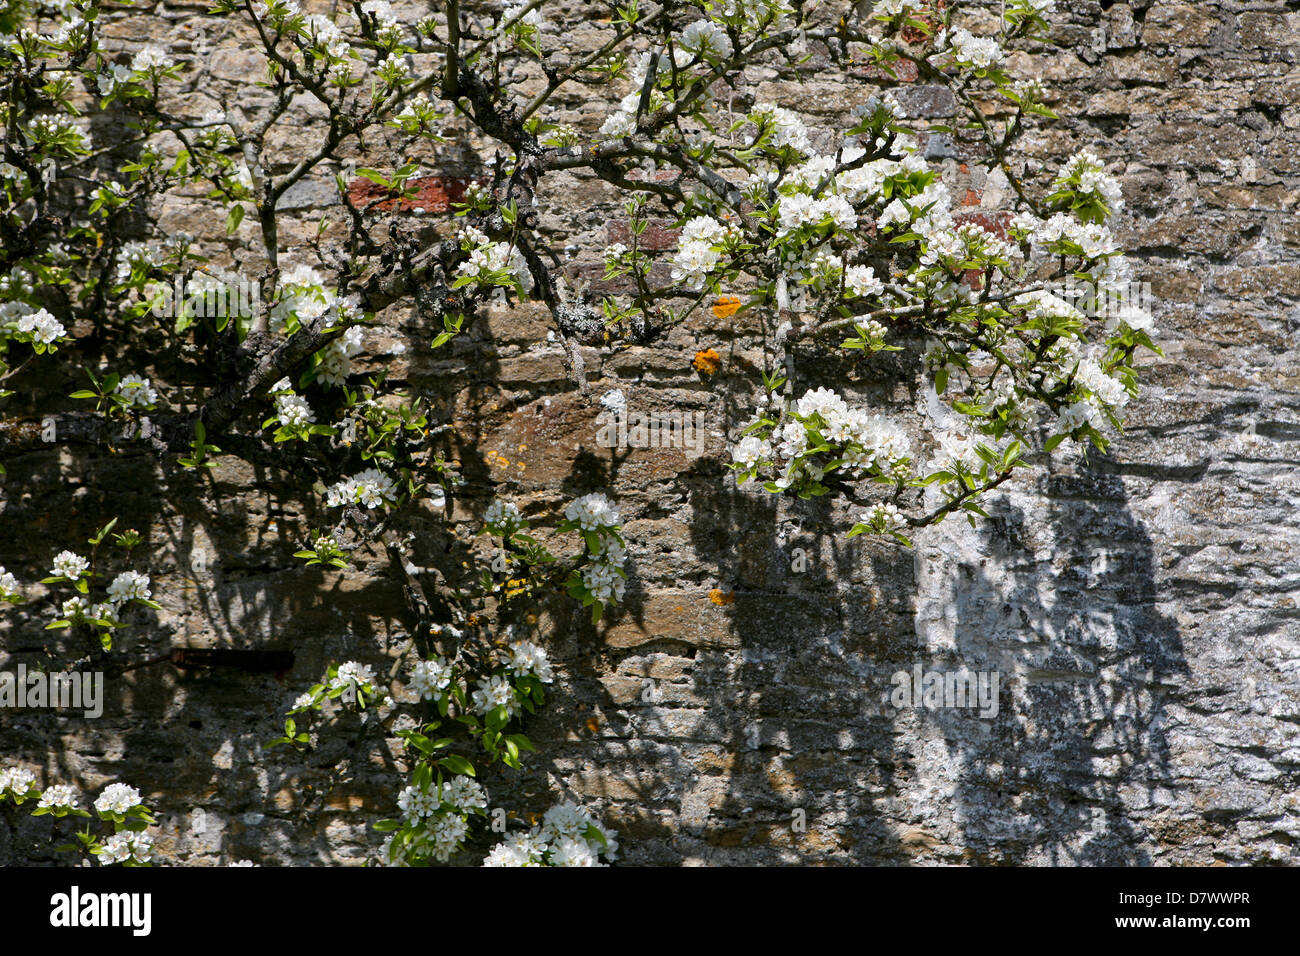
(1141,609)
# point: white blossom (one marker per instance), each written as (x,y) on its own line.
(69,565)
(750,451)
(124,846)
(884,517)
(980,52)
(59,796)
(862,281)
(371,488)
(464,793)
(17,780)
(138,391)
(336,358)
(429,678)
(136,256)
(502,514)
(8,584)
(117,798)
(129,586)
(151,58)
(593,511)
(707,40)
(787,130)
(416,802)
(495,691)
(527,659)
(41,326)
(352,674)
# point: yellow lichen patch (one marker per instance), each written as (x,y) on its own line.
(707,361)
(593,724)
(726,305)
(721,598)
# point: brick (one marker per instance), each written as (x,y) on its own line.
(433,194)
(659,234)
(1178,24)
(927,101)
(1269,31)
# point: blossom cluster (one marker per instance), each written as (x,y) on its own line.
(602,579)
(370,488)
(137,391)
(290,409)
(502,517)
(336,358)
(352,681)
(126,587)
(593,512)
(699,250)
(489,263)
(302,298)
(567,836)
(819,434)
(119,805)
(522,668)
(24,323)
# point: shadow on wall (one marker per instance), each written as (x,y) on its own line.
(1078,754)
(1061,603)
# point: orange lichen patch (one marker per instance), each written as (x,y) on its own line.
(972,198)
(720,598)
(707,361)
(593,724)
(727,305)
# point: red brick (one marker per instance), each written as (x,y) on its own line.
(432,194)
(658,235)
(992,220)
(904,72)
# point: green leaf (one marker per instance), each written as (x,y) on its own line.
(457,764)
(497,718)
